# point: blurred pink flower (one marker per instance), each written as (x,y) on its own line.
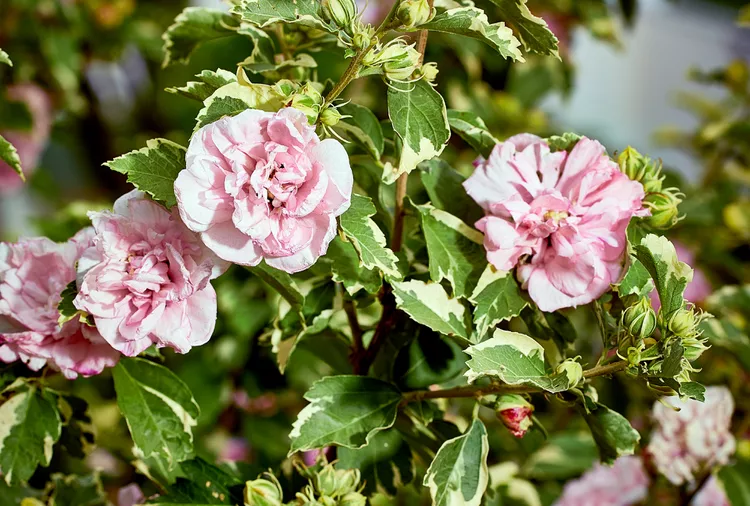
(374,11)
(262,185)
(236,449)
(146,279)
(698,289)
(33,274)
(692,441)
(29,144)
(310,457)
(130,495)
(711,495)
(561,218)
(623,484)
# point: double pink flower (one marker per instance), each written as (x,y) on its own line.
(559,217)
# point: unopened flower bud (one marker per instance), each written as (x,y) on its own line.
(308,100)
(262,492)
(330,117)
(642,169)
(515,413)
(682,322)
(663,207)
(429,72)
(361,41)
(572,369)
(398,60)
(333,482)
(640,319)
(413,13)
(341,12)
(353,499)
(694,347)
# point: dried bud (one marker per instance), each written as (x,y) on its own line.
(515,413)
(262,492)
(308,100)
(572,369)
(683,322)
(330,117)
(341,12)
(413,13)
(640,319)
(663,207)
(642,169)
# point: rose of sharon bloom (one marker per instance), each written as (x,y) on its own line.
(623,484)
(560,217)
(711,494)
(690,442)
(146,279)
(29,144)
(262,185)
(33,274)
(697,290)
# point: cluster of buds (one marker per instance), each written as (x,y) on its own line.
(662,202)
(333,487)
(412,13)
(398,61)
(685,324)
(310,101)
(638,322)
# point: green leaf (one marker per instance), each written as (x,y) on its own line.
(159,409)
(497,297)
(420,120)
(202,483)
(9,155)
(75,490)
(153,169)
(263,49)
(473,130)
(473,22)
(4,58)
(612,432)
(735,481)
(208,82)
(29,427)
(459,473)
(430,359)
(516,359)
(363,128)
(367,238)
(385,463)
(282,283)
(670,275)
(444,186)
(345,411)
(78,432)
(455,250)
(637,281)
(233,98)
(302,12)
(302,60)
(346,269)
(564,455)
(430,305)
(693,390)
(564,142)
(191,27)
(533,30)
(65,307)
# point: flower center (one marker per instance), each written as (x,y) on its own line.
(555,216)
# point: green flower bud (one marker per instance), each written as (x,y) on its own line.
(641,168)
(398,60)
(515,413)
(429,72)
(308,100)
(341,12)
(663,207)
(573,370)
(682,323)
(412,13)
(361,41)
(262,492)
(353,499)
(694,347)
(333,482)
(330,117)
(640,319)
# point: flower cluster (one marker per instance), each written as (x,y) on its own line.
(692,440)
(559,217)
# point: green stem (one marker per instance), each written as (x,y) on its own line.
(501,388)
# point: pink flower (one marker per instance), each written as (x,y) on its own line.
(374,11)
(559,217)
(692,441)
(146,279)
(236,449)
(515,413)
(711,494)
(698,289)
(29,144)
(130,495)
(33,274)
(623,484)
(261,185)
